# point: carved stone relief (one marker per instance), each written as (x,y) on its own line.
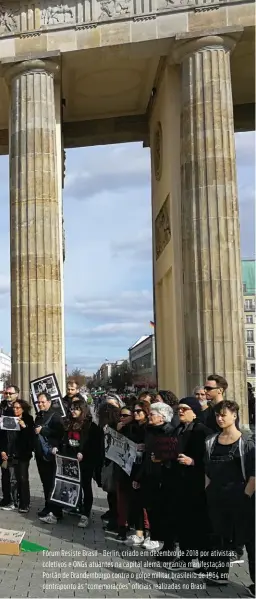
(114,8)
(162,228)
(9,18)
(60,13)
(179,2)
(158,151)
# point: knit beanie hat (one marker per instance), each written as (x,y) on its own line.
(193,403)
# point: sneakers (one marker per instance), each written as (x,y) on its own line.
(134,540)
(152,545)
(23,510)
(9,508)
(83,522)
(49,519)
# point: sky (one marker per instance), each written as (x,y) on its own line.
(108,267)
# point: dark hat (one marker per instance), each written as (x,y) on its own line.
(193,403)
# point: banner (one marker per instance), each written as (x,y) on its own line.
(119,449)
(47,384)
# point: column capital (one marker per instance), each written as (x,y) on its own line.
(35,65)
(183,48)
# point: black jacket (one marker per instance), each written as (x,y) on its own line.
(6,408)
(191,442)
(151,469)
(19,444)
(89,445)
(54,430)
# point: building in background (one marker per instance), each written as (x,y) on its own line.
(5,368)
(103,375)
(142,358)
(248,274)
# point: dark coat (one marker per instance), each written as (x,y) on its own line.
(149,470)
(53,431)
(89,445)
(6,408)
(191,442)
(19,444)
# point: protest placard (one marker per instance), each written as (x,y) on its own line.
(119,449)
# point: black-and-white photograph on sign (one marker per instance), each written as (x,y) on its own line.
(9,423)
(65,492)
(47,384)
(58,406)
(67,468)
(119,449)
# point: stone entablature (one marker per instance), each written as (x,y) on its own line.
(29,17)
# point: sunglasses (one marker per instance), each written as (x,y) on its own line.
(207,388)
(138,411)
(185,409)
(75,409)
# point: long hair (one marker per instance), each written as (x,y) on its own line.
(85,418)
(24,405)
(108,414)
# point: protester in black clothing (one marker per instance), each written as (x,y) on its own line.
(215,388)
(11,394)
(16,451)
(109,415)
(149,476)
(230,485)
(48,432)
(123,481)
(183,487)
(82,441)
(73,393)
(138,513)
(6,409)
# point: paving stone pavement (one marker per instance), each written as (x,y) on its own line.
(89,563)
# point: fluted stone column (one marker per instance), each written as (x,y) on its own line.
(213,299)
(36,310)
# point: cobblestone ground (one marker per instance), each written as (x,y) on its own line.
(102,571)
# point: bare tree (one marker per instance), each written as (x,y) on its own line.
(78,376)
(6,378)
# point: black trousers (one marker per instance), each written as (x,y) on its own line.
(86,484)
(6,485)
(19,483)
(112,504)
(46,472)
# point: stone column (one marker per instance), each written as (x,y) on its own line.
(213,298)
(36,308)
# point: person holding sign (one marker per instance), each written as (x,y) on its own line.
(82,440)
(16,448)
(48,435)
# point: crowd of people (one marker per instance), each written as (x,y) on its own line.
(190,493)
